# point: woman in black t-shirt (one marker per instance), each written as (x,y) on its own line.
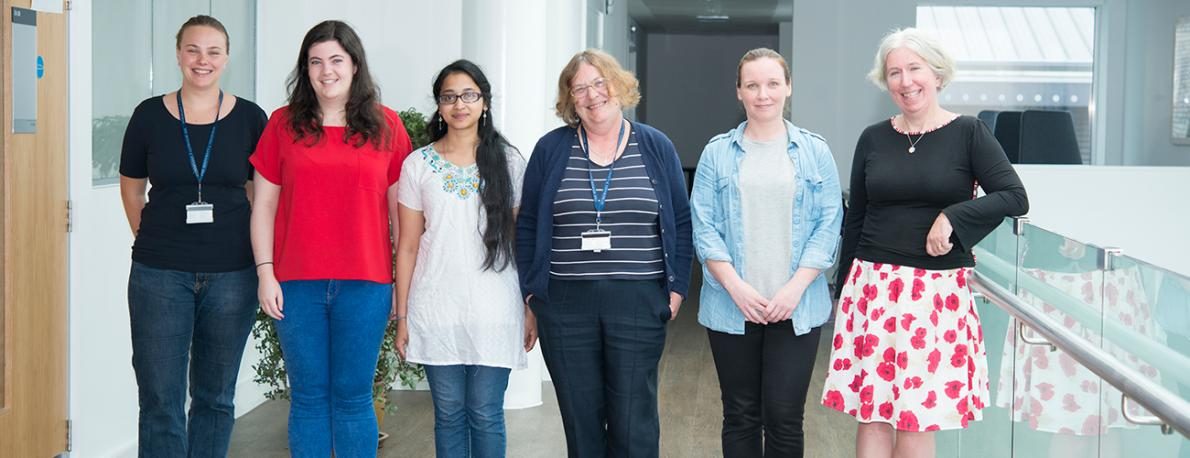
(192,289)
(908,347)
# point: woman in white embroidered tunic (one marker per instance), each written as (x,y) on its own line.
(459,310)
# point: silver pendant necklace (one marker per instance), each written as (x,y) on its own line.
(912,142)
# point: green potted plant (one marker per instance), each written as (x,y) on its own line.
(270,371)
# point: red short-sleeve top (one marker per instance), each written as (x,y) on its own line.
(332,217)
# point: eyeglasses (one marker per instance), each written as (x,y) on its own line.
(599,84)
(467,97)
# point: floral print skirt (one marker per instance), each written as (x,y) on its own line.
(908,349)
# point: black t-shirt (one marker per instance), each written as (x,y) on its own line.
(154,149)
(896,196)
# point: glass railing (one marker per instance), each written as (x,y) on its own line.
(1088,351)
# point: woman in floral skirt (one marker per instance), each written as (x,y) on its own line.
(908,356)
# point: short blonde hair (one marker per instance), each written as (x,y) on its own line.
(621,83)
(920,42)
(757,54)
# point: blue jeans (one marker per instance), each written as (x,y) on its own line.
(468,410)
(330,339)
(188,323)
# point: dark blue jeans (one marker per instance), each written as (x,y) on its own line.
(468,410)
(330,339)
(196,323)
(602,341)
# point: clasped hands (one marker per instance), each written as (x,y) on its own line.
(761,310)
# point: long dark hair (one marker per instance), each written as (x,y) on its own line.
(365,120)
(495,185)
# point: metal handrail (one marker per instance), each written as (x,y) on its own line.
(1168,362)
(1169,407)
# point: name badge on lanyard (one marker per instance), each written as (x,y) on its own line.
(199,212)
(598,239)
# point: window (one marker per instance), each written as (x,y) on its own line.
(1012,59)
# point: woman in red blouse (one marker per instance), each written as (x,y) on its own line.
(326,194)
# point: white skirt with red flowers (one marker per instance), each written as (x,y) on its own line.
(908,349)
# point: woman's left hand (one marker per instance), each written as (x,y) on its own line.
(782,305)
(530,329)
(675,303)
(938,240)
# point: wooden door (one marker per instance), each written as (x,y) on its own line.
(33,318)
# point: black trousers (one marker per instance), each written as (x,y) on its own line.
(764,375)
(602,341)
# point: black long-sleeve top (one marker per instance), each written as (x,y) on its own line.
(897,195)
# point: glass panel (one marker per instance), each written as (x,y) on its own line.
(122,72)
(1147,328)
(239,17)
(1012,61)
(125,75)
(991,437)
(1054,400)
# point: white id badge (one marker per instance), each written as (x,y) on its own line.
(597,240)
(200,213)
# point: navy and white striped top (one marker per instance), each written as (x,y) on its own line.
(630,214)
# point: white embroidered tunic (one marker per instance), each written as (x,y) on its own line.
(459,313)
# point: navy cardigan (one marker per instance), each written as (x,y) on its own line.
(543,176)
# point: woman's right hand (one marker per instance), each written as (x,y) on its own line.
(269,294)
(402,340)
(751,303)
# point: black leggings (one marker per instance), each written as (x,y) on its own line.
(764,375)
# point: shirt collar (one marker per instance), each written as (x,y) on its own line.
(792,133)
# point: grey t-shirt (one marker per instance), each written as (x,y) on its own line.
(768,185)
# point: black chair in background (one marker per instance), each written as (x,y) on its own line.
(989,119)
(1008,131)
(1047,137)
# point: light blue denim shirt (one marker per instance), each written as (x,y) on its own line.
(718,224)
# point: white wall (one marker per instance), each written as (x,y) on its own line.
(1149,83)
(406,43)
(1132,208)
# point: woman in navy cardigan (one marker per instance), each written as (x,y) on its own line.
(604,254)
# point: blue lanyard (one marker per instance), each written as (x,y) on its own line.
(206,159)
(600,200)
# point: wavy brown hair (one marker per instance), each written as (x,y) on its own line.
(365,119)
(622,84)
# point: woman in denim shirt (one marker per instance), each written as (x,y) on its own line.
(766,213)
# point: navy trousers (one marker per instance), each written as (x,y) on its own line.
(602,341)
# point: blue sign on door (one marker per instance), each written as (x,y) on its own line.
(40,67)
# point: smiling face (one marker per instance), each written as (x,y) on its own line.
(331,71)
(912,84)
(460,115)
(594,104)
(763,89)
(202,55)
